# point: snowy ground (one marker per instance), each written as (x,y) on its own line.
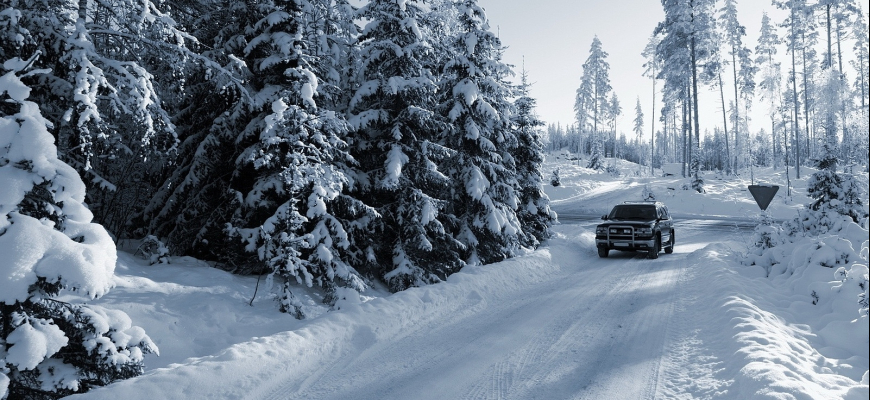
(557,323)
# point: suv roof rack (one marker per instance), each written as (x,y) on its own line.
(640,202)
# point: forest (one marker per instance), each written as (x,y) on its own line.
(337,146)
(808,72)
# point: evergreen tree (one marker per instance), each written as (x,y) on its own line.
(191,205)
(592,98)
(485,195)
(534,212)
(650,68)
(833,193)
(262,188)
(96,87)
(613,111)
(297,161)
(51,348)
(396,142)
(638,127)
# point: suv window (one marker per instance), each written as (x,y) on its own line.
(638,212)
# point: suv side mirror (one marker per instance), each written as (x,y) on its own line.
(604,217)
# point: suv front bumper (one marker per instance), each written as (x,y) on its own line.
(623,244)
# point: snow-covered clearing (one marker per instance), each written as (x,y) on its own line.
(557,323)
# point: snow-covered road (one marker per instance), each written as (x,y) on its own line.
(597,329)
(559,323)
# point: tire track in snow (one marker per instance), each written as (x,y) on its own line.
(554,364)
(616,346)
(541,349)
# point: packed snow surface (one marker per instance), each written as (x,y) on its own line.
(556,323)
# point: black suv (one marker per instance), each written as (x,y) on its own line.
(636,225)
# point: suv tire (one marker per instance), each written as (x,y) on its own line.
(603,251)
(654,253)
(671,244)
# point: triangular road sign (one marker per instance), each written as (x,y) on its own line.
(763,194)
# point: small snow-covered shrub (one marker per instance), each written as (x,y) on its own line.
(154,250)
(612,170)
(595,162)
(854,281)
(647,193)
(766,235)
(555,180)
(796,252)
(829,252)
(698,183)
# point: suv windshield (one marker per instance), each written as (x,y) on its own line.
(638,212)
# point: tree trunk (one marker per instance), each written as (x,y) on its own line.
(736,110)
(847,137)
(725,124)
(795,98)
(774,142)
(695,121)
(652,140)
(806,97)
(686,135)
(674,130)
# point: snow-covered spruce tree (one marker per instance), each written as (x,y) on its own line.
(275,161)
(596,159)
(555,180)
(51,348)
(191,205)
(483,169)
(592,99)
(396,145)
(299,162)
(534,211)
(99,94)
(638,131)
(834,194)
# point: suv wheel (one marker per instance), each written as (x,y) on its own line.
(654,253)
(671,244)
(603,251)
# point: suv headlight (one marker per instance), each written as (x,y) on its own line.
(644,231)
(601,230)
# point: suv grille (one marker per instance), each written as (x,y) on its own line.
(620,232)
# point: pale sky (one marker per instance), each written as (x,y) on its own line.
(555,36)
